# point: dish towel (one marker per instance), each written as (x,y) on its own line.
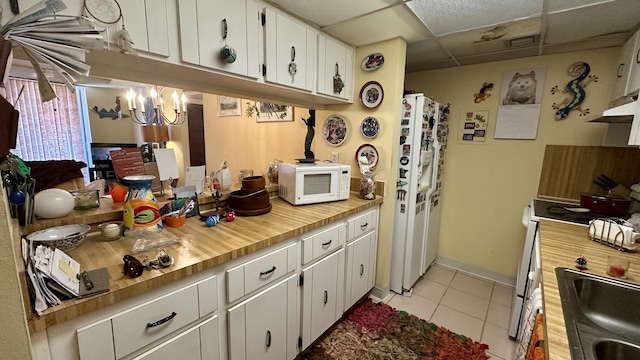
(533,307)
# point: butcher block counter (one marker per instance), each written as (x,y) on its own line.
(560,245)
(200,248)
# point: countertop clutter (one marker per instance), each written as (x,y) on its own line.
(560,245)
(200,248)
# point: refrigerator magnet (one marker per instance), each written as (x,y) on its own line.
(404,160)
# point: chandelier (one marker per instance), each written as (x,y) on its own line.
(152,108)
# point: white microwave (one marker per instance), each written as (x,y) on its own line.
(302,184)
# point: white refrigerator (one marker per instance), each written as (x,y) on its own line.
(417,179)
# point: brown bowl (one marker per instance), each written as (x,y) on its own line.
(253,183)
(244,199)
(175,220)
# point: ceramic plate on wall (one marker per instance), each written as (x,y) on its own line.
(334,130)
(370,127)
(370,152)
(372,62)
(371,95)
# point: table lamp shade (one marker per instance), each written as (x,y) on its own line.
(155,133)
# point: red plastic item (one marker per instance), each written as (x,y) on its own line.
(617,270)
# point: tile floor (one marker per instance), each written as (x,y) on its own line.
(465,304)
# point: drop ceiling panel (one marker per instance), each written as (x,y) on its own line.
(328,12)
(446,17)
(428,50)
(592,21)
(499,56)
(379,26)
(490,39)
(563,5)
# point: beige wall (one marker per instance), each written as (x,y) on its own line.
(486,185)
(14,342)
(107,130)
(247,144)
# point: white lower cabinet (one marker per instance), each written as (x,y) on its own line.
(265,326)
(323,296)
(361,257)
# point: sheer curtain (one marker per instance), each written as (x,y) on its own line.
(46,131)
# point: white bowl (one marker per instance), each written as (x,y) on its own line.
(111,231)
(65,237)
(53,203)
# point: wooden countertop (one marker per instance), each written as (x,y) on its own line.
(200,248)
(560,245)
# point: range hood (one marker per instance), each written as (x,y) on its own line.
(619,114)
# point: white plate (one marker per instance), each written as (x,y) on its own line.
(334,130)
(370,127)
(372,62)
(370,152)
(371,95)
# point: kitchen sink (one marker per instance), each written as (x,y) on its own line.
(602,316)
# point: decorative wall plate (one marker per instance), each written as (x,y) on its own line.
(371,95)
(370,127)
(334,130)
(372,62)
(370,152)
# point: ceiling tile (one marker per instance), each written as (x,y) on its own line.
(446,17)
(588,44)
(578,24)
(379,26)
(499,56)
(327,12)
(427,50)
(490,39)
(563,5)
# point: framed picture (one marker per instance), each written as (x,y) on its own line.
(266,112)
(229,106)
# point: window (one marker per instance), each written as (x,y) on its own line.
(46,131)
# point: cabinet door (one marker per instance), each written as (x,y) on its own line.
(242,35)
(288,46)
(188,25)
(323,297)
(360,257)
(634,74)
(265,325)
(624,68)
(334,57)
(146,22)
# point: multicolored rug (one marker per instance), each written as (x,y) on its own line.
(378,331)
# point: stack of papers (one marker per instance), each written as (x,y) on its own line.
(60,41)
(54,276)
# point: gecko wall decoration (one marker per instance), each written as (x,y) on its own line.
(484,93)
(581,71)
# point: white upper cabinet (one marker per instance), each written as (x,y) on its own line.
(628,68)
(146,22)
(335,68)
(202,34)
(290,50)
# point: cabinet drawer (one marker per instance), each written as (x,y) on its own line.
(197,343)
(322,243)
(245,278)
(360,224)
(150,321)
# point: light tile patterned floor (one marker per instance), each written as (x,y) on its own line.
(465,304)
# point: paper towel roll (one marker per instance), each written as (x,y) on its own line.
(613,233)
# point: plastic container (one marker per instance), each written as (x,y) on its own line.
(86,199)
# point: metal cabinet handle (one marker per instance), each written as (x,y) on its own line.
(327,243)
(162,321)
(262,273)
(638,57)
(326,297)
(364,226)
(620,70)
(268,338)
(361,269)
